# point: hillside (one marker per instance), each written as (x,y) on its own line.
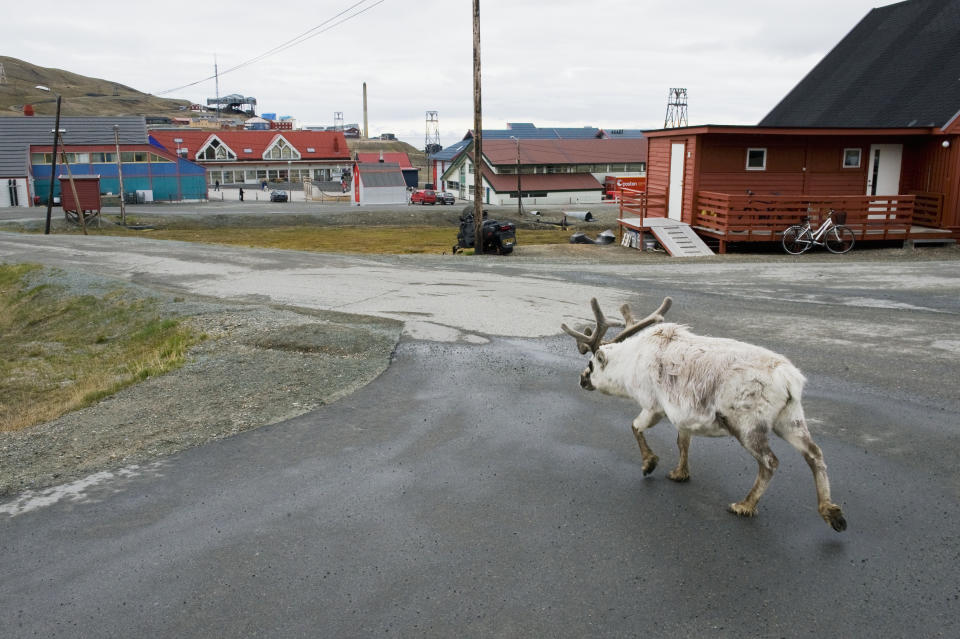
(81,95)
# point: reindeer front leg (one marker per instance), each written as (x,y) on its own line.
(645,420)
(682,471)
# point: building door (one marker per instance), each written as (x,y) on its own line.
(883,172)
(678,154)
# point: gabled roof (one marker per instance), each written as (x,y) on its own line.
(898,67)
(381,174)
(251,145)
(451,151)
(398,157)
(504,183)
(621,134)
(18,133)
(528,131)
(592,151)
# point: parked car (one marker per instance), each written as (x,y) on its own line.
(423,196)
(278,196)
(446,197)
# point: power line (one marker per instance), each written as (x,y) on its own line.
(303,37)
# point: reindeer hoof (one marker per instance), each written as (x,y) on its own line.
(834,516)
(649,464)
(742,510)
(678,476)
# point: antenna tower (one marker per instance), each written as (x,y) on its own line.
(431,141)
(338,120)
(676,109)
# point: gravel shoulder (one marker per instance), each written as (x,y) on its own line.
(260,365)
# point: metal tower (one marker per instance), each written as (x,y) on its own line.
(338,120)
(676,109)
(431,141)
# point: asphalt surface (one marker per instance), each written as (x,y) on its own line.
(474,490)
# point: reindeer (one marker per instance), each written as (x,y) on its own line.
(705,386)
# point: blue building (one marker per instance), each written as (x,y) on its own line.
(90,146)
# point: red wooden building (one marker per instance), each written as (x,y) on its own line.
(873,130)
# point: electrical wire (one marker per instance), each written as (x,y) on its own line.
(323,27)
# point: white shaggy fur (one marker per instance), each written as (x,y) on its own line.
(712,387)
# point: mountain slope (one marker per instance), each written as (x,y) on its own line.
(81,95)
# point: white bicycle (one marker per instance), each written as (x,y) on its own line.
(800,238)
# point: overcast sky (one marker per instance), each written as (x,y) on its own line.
(608,63)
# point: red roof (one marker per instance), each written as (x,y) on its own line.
(503,183)
(325,145)
(399,157)
(566,151)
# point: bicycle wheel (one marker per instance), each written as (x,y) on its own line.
(839,239)
(797,240)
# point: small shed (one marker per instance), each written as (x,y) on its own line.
(87,200)
(379,183)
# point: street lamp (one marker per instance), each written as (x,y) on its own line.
(519,192)
(53,160)
(289,181)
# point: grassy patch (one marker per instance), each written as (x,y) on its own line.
(60,352)
(339,239)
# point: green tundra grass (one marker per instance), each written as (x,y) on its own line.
(61,351)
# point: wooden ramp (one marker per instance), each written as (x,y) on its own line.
(678,238)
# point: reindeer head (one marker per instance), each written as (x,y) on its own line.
(592,339)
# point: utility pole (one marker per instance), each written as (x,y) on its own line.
(53,165)
(477,137)
(116,141)
(73,186)
(519,190)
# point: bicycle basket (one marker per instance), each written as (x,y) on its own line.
(839,217)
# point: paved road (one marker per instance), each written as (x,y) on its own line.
(474,490)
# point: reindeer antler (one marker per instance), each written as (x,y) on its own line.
(591,339)
(635,327)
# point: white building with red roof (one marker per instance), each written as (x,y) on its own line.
(557,171)
(254,157)
(411,175)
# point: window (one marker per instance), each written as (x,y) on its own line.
(133,156)
(216,150)
(103,158)
(851,158)
(756,159)
(280,150)
(158,159)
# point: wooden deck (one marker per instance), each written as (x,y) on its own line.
(725,218)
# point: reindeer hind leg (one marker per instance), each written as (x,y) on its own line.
(794,431)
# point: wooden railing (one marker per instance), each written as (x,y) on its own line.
(642,204)
(928,208)
(746,218)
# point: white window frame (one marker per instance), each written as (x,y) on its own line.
(228,155)
(843,161)
(757,168)
(294,153)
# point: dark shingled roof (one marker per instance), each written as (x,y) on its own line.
(899,67)
(18,133)
(381,174)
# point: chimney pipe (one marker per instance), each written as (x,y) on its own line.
(366,131)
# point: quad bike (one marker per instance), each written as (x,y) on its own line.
(498,237)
